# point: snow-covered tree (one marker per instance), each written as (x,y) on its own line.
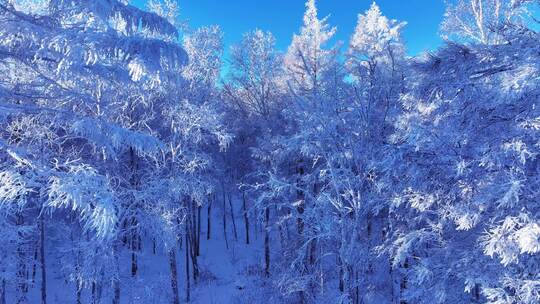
(468,201)
(256,77)
(76,77)
(308,59)
(373,177)
(482,21)
(376,39)
(376,62)
(204,47)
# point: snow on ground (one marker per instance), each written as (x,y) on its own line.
(228,279)
(225,273)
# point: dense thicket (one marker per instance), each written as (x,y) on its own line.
(364,175)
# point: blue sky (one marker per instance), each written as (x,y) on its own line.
(284,17)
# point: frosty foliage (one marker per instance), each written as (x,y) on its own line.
(13,190)
(354,176)
(91,112)
(112,139)
(490,195)
(376,37)
(256,77)
(482,21)
(84,191)
(204,47)
(307,57)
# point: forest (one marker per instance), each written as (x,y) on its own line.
(135,168)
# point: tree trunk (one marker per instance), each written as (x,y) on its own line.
(300,208)
(403,283)
(78,283)
(96,293)
(78,293)
(21,267)
(232,218)
(246,218)
(174,276)
(116,281)
(116,287)
(26,284)
(341,275)
(225,220)
(300,225)
(199,208)
(3,292)
(133,227)
(191,239)
(135,246)
(133,263)
(42,260)
(313,252)
(180,238)
(36,260)
(267,242)
(188,287)
(356,288)
(209,219)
